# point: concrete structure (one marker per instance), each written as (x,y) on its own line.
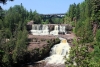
(50,16)
(56,14)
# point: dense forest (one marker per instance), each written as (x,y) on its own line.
(85,18)
(13,33)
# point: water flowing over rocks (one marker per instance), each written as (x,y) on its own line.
(49,29)
(59,53)
(39,46)
(45,39)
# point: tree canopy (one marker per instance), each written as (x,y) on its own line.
(85,18)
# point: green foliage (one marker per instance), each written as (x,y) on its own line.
(56,20)
(72,11)
(45,22)
(1,24)
(98,36)
(79,56)
(4,1)
(96,52)
(85,53)
(67,20)
(13,36)
(36,17)
(96,11)
(20,47)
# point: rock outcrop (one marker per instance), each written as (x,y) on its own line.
(39,47)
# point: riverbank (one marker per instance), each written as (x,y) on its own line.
(68,37)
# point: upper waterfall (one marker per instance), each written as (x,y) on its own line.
(44,29)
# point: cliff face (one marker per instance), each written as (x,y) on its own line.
(39,47)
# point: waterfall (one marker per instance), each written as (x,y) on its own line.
(39,29)
(59,53)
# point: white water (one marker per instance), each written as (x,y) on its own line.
(38,29)
(59,53)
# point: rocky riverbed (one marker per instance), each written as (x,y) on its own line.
(43,42)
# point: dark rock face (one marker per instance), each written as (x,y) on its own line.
(69,28)
(29,27)
(39,48)
(51,27)
(44,64)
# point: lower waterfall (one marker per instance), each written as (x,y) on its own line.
(59,53)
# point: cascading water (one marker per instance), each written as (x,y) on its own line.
(39,29)
(59,53)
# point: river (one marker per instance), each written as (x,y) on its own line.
(58,55)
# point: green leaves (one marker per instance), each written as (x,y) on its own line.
(13,36)
(98,36)
(36,17)
(87,51)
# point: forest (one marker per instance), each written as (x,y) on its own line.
(84,17)
(13,33)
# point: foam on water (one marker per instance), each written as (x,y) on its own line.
(59,53)
(38,29)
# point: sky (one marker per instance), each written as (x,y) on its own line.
(43,6)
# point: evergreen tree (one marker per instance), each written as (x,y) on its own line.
(36,17)
(86,51)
